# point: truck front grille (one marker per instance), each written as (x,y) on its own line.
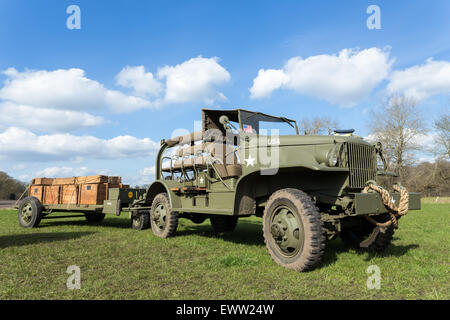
(361,160)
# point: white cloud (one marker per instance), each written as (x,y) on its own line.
(43,119)
(145,176)
(194,80)
(23,145)
(70,89)
(59,89)
(344,79)
(64,89)
(425,141)
(143,83)
(149,171)
(61,172)
(121,103)
(267,81)
(422,81)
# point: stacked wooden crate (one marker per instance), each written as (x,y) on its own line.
(90,190)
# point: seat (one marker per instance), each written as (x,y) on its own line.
(197,156)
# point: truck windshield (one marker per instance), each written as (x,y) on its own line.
(267,125)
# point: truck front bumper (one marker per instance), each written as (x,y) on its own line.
(371,203)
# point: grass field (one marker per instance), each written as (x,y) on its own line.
(117,262)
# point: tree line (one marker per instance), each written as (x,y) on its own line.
(10,188)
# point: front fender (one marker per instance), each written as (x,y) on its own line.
(163,186)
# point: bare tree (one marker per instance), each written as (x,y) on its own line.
(398,125)
(318,125)
(442,127)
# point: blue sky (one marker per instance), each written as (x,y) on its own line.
(231,41)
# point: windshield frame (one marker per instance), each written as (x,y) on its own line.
(262,117)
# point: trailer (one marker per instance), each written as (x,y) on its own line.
(92,197)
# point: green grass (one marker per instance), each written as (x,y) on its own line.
(120,263)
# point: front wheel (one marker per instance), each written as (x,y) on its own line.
(293,230)
(30,212)
(163,220)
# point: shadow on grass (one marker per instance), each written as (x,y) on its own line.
(392,251)
(246,232)
(18,240)
(335,247)
(108,222)
(250,233)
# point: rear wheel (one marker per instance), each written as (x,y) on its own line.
(94,217)
(293,230)
(140,220)
(354,236)
(222,224)
(163,220)
(30,212)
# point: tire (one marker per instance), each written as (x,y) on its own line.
(163,220)
(140,220)
(94,217)
(222,224)
(352,237)
(29,212)
(293,230)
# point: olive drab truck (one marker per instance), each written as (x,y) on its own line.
(308,189)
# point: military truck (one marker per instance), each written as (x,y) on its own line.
(307,188)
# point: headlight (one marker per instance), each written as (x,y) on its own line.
(332,158)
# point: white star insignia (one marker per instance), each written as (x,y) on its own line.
(201,180)
(250,161)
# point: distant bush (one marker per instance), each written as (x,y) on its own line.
(10,188)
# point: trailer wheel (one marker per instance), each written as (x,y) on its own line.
(140,220)
(222,224)
(163,220)
(293,230)
(30,212)
(94,217)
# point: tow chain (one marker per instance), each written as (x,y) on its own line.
(395,212)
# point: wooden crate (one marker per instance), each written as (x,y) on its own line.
(93,193)
(43,181)
(61,181)
(69,194)
(36,191)
(91,179)
(51,194)
(114,180)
